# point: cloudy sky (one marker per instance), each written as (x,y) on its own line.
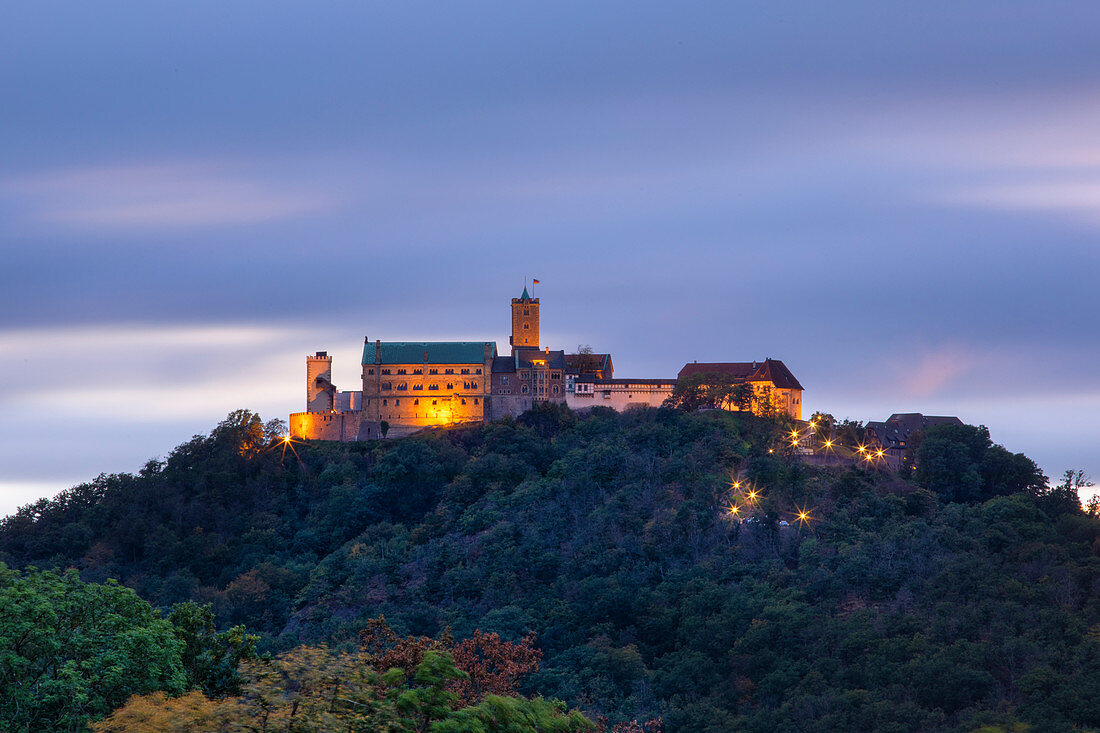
(901,201)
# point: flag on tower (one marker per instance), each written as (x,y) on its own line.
(534,282)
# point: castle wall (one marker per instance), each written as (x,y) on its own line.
(420,395)
(620,397)
(508,405)
(342,426)
(785,401)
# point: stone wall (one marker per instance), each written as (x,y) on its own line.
(319,398)
(525,322)
(342,426)
(621,397)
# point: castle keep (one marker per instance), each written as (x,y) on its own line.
(411,385)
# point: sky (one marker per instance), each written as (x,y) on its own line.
(901,201)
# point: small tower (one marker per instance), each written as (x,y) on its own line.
(525,321)
(320,392)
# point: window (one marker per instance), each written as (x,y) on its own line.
(450,385)
(403,385)
(526,311)
(555,375)
(385,371)
(504,380)
(524,375)
(464,400)
(370,371)
(418,371)
(448,371)
(435,402)
(526,326)
(418,386)
(397,402)
(387,385)
(433,386)
(433,371)
(383,402)
(477,371)
(524,390)
(465,371)
(416,402)
(555,389)
(473,385)
(400,371)
(475,400)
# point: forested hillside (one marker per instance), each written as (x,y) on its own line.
(965,597)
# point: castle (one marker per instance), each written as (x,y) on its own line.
(409,386)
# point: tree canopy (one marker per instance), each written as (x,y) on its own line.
(835,598)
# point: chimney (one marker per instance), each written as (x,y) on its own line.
(378,351)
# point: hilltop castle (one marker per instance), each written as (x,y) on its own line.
(409,386)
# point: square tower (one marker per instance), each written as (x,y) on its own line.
(525,321)
(320,391)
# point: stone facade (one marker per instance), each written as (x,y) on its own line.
(525,322)
(409,386)
(772,383)
(618,394)
(425,384)
(320,391)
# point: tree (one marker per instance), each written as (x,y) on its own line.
(71,652)
(489,664)
(244,429)
(210,659)
(586,361)
(689,394)
(1065,498)
(493,666)
(949,461)
(316,689)
(712,390)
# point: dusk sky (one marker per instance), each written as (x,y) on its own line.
(901,201)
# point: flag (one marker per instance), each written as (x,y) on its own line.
(534,282)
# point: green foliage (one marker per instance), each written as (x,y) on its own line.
(210,659)
(965,600)
(960,463)
(71,651)
(497,714)
(321,691)
(714,390)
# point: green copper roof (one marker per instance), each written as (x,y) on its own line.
(428,352)
(525,296)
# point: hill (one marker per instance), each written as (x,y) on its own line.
(965,598)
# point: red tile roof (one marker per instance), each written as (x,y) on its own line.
(769,370)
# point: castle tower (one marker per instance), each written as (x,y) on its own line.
(320,392)
(525,321)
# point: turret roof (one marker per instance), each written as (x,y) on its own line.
(525,296)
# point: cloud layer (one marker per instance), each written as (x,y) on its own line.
(899,203)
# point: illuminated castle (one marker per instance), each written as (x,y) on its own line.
(412,385)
